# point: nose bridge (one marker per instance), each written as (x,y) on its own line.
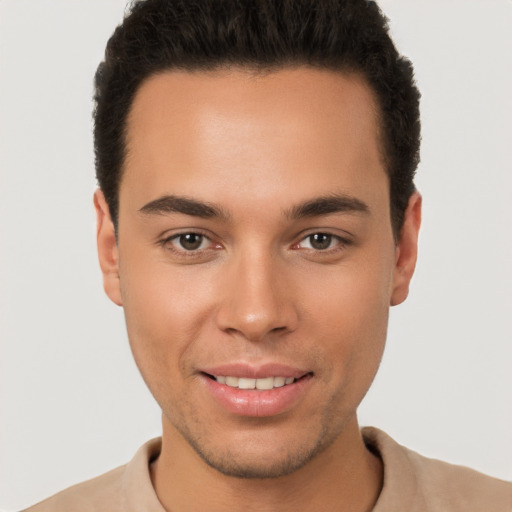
(255,302)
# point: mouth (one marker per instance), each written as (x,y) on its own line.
(248,394)
(261,384)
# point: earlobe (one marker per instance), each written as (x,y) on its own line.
(108,253)
(406,250)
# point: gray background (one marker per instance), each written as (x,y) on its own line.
(72,402)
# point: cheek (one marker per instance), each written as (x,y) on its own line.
(356,326)
(165,310)
(349,311)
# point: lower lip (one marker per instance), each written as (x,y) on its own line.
(256,403)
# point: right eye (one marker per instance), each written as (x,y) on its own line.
(319,241)
(189,242)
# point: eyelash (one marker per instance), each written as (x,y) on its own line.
(341,244)
(167,243)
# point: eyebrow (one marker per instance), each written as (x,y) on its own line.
(185,205)
(325,205)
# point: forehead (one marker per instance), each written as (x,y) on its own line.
(322,98)
(296,128)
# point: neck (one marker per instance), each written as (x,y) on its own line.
(345,475)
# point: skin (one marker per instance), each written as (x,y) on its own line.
(258,289)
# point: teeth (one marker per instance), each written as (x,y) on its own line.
(262,384)
(246,383)
(267,383)
(232,381)
(279,382)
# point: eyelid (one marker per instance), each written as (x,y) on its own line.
(344,236)
(343,242)
(176,239)
(166,239)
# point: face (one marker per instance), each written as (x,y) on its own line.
(255,259)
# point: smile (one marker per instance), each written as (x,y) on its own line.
(267,394)
(260,384)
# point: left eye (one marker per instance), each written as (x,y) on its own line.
(319,241)
(190,241)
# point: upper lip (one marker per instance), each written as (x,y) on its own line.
(246,370)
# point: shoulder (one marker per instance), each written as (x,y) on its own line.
(91,495)
(127,488)
(461,488)
(432,485)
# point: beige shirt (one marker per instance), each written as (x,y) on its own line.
(412,483)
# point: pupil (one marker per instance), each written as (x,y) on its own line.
(191,241)
(321,241)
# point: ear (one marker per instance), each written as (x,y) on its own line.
(108,252)
(406,250)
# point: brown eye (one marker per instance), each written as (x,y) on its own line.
(190,241)
(320,241)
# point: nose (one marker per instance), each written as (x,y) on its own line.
(257,299)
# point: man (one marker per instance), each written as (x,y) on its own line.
(256,219)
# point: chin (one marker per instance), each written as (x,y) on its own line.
(230,464)
(261,460)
